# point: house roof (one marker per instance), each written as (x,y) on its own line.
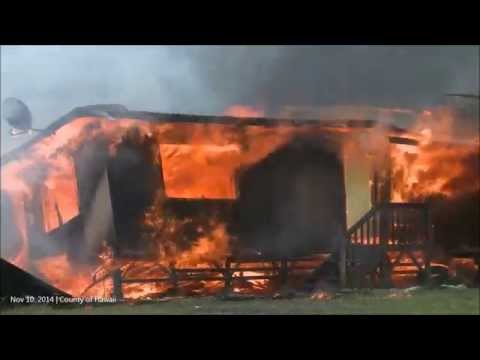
(118,111)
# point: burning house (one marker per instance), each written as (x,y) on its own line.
(135,204)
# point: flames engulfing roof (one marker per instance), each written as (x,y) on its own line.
(58,152)
(113,112)
(248,149)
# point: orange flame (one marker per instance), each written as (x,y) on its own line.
(435,167)
(202,165)
(244,111)
(73,280)
(198,161)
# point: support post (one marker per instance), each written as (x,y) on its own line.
(117,284)
(374,188)
(174,277)
(283,272)
(228,277)
(385,229)
(428,243)
(477,262)
(369,240)
(342,261)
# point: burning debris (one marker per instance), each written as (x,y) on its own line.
(322,295)
(441,165)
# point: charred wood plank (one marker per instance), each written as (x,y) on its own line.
(203,278)
(142,281)
(181,271)
(403,140)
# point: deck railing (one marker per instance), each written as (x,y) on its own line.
(400,228)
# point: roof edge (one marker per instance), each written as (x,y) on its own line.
(115,111)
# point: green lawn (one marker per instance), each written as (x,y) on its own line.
(421,301)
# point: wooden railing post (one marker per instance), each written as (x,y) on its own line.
(228,276)
(428,243)
(283,272)
(342,260)
(174,277)
(117,284)
(385,225)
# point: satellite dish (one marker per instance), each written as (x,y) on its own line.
(18,116)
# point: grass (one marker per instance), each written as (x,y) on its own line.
(422,301)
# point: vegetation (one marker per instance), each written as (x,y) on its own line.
(420,301)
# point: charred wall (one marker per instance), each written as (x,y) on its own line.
(134,177)
(91,160)
(293,202)
(128,180)
(456,221)
(290,204)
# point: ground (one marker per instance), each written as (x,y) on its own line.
(420,301)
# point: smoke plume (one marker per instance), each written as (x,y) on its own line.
(207,79)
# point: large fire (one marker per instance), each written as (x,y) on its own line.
(202,165)
(444,171)
(439,165)
(199,161)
